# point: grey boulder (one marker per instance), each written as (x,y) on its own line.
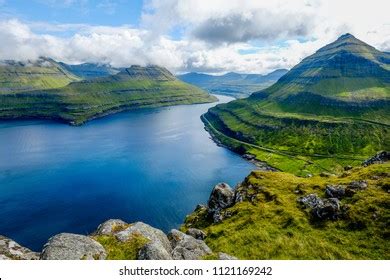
(223,256)
(109,227)
(151,233)
(221,197)
(186,247)
(67,246)
(10,250)
(153,251)
(196,233)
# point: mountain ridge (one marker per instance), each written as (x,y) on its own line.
(331,103)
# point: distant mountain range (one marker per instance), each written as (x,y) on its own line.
(330,110)
(233,84)
(52,90)
(91,70)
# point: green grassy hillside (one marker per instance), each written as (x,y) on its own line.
(271,223)
(330,110)
(33,75)
(135,87)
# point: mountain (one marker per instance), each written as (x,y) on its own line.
(78,102)
(330,110)
(233,84)
(33,75)
(91,70)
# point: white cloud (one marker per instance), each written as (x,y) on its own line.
(214,35)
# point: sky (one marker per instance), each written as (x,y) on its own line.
(210,36)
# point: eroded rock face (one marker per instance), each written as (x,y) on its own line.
(67,246)
(196,233)
(10,250)
(186,247)
(110,227)
(221,197)
(380,157)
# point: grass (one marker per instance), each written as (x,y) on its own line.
(273,226)
(117,250)
(82,101)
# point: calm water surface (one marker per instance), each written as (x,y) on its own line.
(152,165)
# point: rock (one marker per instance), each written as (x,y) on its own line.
(321,209)
(223,256)
(248,156)
(354,187)
(309,201)
(151,233)
(153,251)
(380,157)
(196,233)
(67,246)
(327,209)
(335,191)
(358,185)
(110,227)
(326,174)
(186,247)
(221,197)
(200,207)
(10,250)
(348,167)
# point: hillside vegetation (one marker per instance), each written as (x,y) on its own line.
(330,110)
(273,218)
(77,102)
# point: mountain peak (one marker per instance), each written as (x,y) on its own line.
(149,72)
(346,36)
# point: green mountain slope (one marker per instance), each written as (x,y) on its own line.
(330,110)
(33,75)
(134,87)
(233,84)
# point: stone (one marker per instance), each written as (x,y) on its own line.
(223,256)
(153,251)
(67,246)
(335,191)
(186,247)
(321,209)
(196,233)
(354,187)
(10,250)
(110,227)
(309,201)
(327,209)
(348,167)
(221,197)
(380,157)
(151,233)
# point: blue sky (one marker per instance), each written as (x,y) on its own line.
(213,36)
(95,12)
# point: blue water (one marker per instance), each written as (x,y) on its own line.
(152,165)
